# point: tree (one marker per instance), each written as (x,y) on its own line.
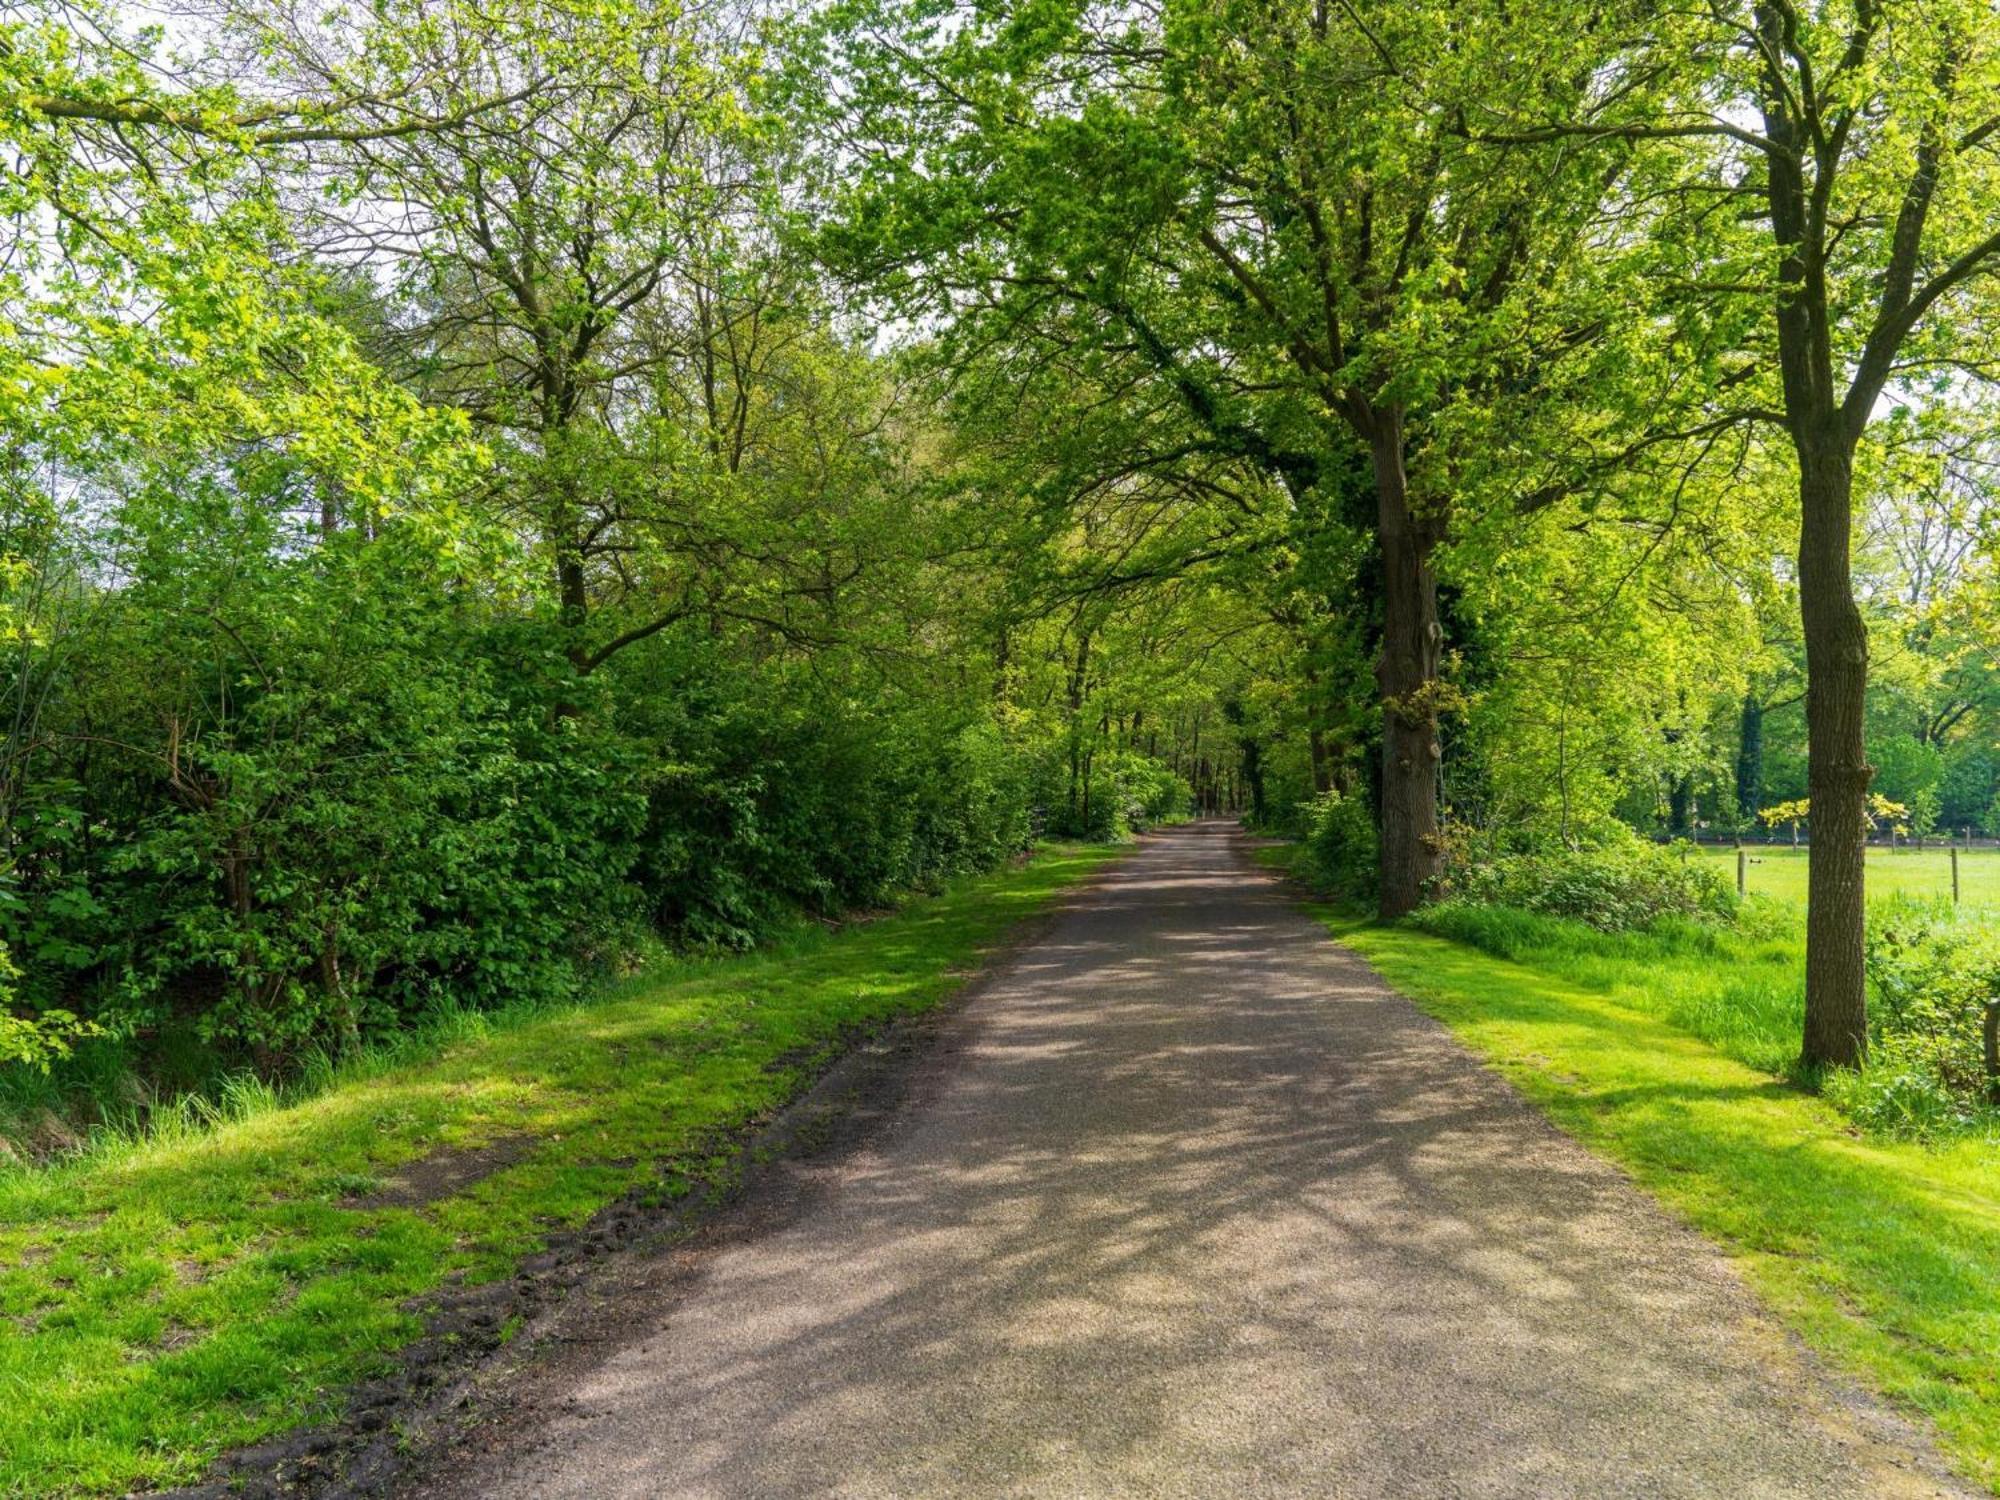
(589,264)
(1262,213)
(1852,143)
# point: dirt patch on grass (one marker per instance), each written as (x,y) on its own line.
(170,1340)
(442,1174)
(461,1373)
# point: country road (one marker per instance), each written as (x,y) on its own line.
(1186,1202)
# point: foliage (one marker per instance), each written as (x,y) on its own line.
(1622,886)
(1799,810)
(1337,847)
(1119,792)
(1933,972)
(813,803)
(369,795)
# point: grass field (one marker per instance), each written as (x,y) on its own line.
(1780,872)
(163,1301)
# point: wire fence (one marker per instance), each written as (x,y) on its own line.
(1968,874)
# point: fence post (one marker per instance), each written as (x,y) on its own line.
(1993,1050)
(1742,872)
(1954,874)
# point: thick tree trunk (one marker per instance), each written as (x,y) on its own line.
(1836,1026)
(1253,780)
(1407,674)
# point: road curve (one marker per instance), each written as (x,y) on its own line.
(1188,1203)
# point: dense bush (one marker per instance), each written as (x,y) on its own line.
(275,799)
(1148,792)
(1932,972)
(1615,887)
(812,803)
(295,799)
(1338,853)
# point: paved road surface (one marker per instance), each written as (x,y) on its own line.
(1186,1203)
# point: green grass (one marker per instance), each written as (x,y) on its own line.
(1742,991)
(162,1301)
(1779,872)
(1663,1051)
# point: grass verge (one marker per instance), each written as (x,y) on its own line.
(1883,1255)
(164,1301)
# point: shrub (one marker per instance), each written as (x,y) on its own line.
(772,801)
(1616,887)
(341,793)
(1897,1096)
(1148,791)
(1338,853)
(1932,972)
(1108,794)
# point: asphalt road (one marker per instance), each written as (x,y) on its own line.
(1187,1203)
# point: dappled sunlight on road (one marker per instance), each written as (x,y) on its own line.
(1189,1204)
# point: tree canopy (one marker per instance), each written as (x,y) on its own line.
(490,487)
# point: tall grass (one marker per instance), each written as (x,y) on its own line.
(1740,987)
(99,1106)
(98,1103)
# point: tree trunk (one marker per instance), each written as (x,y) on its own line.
(1253,780)
(1750,761)
(1406,672)
(1680,807)
(1836,1025)
(1679,795)
(1079,795)
(336,990)
(574,598)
